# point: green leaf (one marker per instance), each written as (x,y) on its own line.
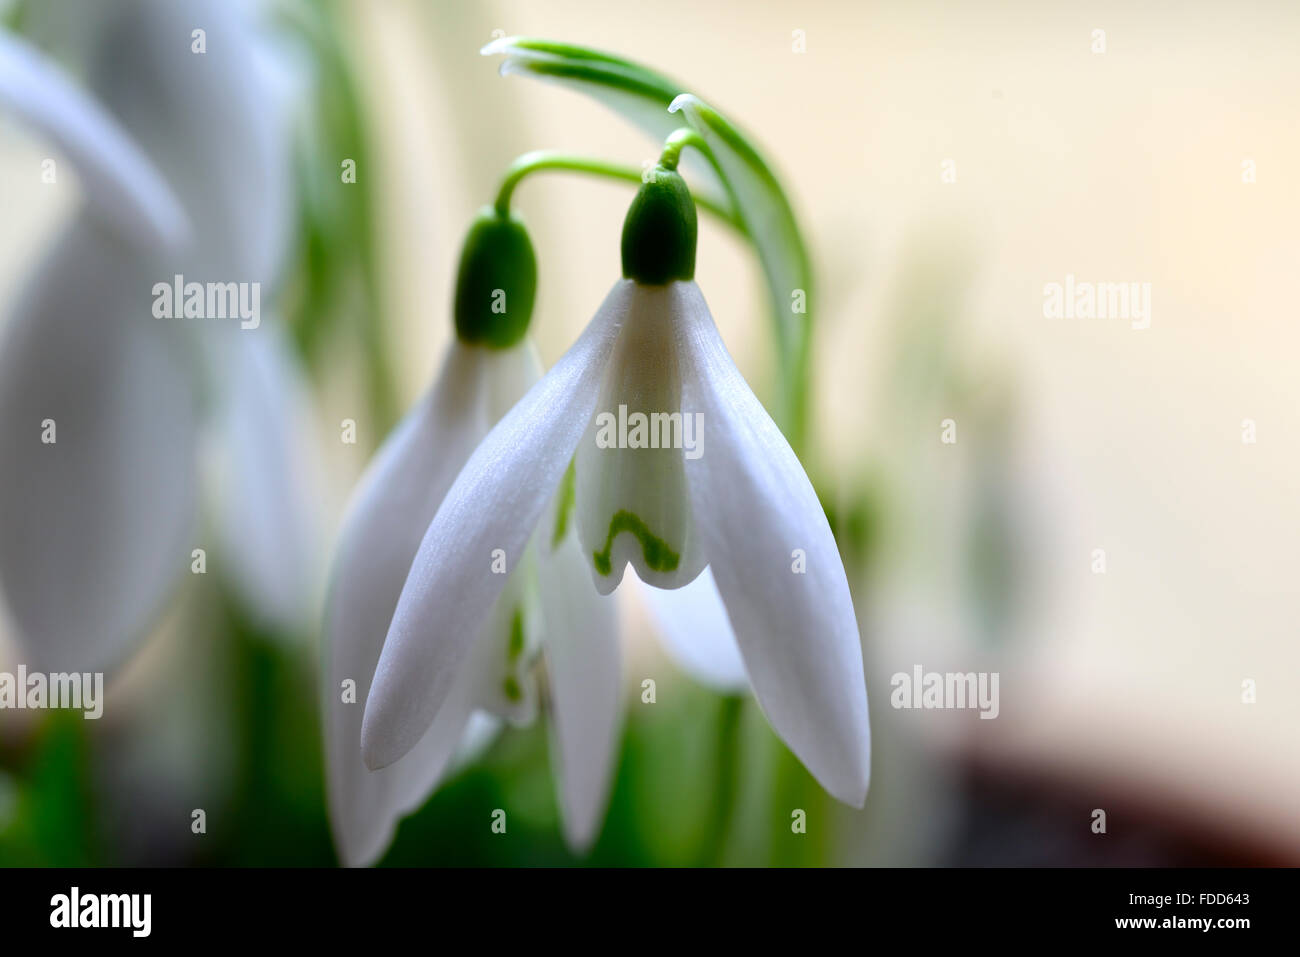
(771,224)
(335,274)
(637,94)
(648,100)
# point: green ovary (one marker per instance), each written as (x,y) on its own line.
(565,506)
(515,645)
(515,648)
(511,688)
(658,556)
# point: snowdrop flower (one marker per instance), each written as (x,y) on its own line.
(97,522)
(491,364)
(731,495)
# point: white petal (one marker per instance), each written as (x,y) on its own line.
(481,732)
(122,187)
(498,664)
(390,509)
(234,114)
(756,511)
(217,124)
(696,632)
(366,815)
(267,466)
(96,527)
(582,657)
(490,511)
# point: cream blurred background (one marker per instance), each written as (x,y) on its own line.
(1120,690)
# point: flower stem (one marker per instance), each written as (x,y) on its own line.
(539,160)
(677,141)
(727,761)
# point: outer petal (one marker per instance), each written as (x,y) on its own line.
(96,527)
(215,123)
(480,734)
(494,505)
(266,483)
(582,657)
(391,507)
(696,631)
(122,187)
(755,507)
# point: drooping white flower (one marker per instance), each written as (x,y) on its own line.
(186,157)
(692,620)
(738,502)
(488,368)
(391,506)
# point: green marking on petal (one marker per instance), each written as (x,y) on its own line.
(512,689)
(516,646)
(656,552)
(566,504)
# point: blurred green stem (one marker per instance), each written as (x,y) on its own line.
(724,792)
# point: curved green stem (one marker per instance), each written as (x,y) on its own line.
(677,141)
(540,160)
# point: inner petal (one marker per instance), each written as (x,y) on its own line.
(630,495)
(500,661)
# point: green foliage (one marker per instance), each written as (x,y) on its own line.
(50,818)
(333,284)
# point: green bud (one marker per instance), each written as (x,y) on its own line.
(660,231)
(496,282)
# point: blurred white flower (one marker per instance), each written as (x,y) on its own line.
(97,527)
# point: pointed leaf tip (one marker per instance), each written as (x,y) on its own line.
(682,101)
